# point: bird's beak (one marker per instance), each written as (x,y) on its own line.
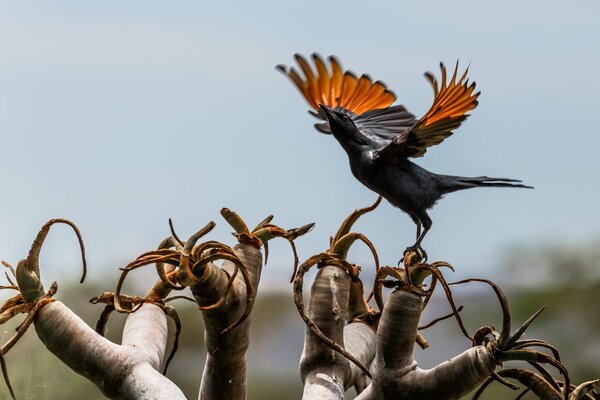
(329,114)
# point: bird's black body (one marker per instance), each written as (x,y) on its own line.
(379,138)
(403,183)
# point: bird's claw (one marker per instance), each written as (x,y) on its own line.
(419,255)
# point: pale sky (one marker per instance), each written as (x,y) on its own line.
(119,115)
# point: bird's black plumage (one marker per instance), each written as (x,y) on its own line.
(379,138)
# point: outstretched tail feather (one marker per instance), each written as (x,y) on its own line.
(482,179)
(454,183)
(502,184)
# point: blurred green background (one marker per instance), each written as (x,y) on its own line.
(571,321)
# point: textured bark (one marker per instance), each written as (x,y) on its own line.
(381,343)
(360,341)
(145,383)
(145,333)
(326,373)
(224,375)
(129,371)
(395,372)
(120,372)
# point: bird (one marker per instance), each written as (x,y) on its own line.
(380,138)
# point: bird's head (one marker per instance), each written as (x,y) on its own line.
(345,131)
(339,122)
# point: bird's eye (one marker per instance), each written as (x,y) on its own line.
(345,117)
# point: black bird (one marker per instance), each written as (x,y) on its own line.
(380,138)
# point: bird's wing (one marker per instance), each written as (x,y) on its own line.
(337,89)
(452,100)
(385,126)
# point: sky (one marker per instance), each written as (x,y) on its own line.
(120,115)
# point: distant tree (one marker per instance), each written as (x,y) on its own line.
(557,263)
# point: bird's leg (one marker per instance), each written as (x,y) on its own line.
(420,254)
(426,223)
(409,249)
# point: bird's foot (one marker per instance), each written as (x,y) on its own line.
(419,255)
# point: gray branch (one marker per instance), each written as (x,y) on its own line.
(395,372)
(224,375)
(128,371)
(326,373)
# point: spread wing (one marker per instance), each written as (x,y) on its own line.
(385,126)
(452,100)
(337,89)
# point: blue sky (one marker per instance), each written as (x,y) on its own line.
(119,115)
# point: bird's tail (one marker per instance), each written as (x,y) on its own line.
(453,183)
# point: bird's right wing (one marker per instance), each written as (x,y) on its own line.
(337,89)
(452,100)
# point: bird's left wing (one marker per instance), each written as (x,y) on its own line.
(337,89)
(452,100)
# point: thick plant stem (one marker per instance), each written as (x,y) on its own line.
(326,373)
(146,383)
(120,372)
(397,331)
(360,341)
(451,379)
(224,375)
(323,370)
(395,372)
(146,333)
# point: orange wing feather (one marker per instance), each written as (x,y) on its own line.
(332,86)
(327,83)
(337,76)
(452,100)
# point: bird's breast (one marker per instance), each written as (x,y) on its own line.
(366,172)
